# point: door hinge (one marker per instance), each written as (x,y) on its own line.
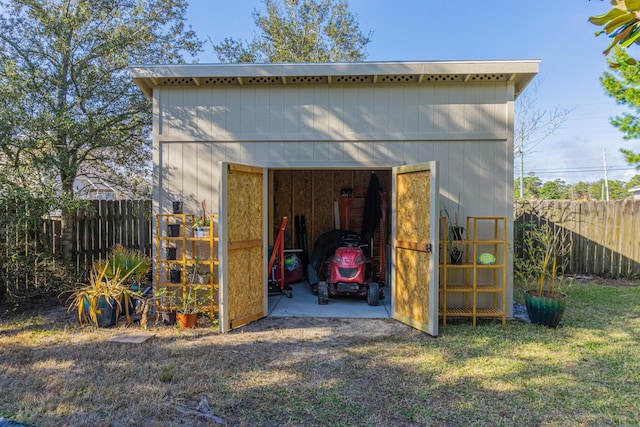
(429,248)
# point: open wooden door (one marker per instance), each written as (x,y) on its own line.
(414,237)
(242,247)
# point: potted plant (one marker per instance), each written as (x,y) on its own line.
(455,233)
(187,311)
(132,264)
(165,302)
(100,301)
(201,224)
(192,298)
(542,260)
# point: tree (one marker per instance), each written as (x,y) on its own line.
(75,109)
(580,191)
(531,127)
(300,31)
(633,182)
(622,24)
(555,190)
(70,107)
(531,187)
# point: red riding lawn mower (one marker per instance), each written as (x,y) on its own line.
(348,273)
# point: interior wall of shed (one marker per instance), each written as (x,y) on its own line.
(312,193)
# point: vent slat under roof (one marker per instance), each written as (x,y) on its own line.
(351,79)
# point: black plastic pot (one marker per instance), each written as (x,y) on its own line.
(175,276)
(456,256)
(174,230)
(177,207)
(169,318)
(545,309)
(171,253)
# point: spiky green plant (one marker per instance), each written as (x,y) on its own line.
(130,262)
(114,290)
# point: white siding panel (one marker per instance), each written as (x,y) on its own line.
(474,176)
(276,111)
(337,151)
(381,151)
(189,122)
(276,150)
(472,97)
(426,152)
(365,151)
(305,151)
(427,109)
(410,109)
(262,106)
(248,111)
(306,111)
(219,111)
(351,110)
(412,151)
(233,152)
(173,109)
(366,120)
(381,110)
(292,111)
(204,179)
(321,109)
(261,151)
(457,107)
(441,109)
(233,119)
(321,151)
(396,152)
(396,105)
(203,113)
(337,112)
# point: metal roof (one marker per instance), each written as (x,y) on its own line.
(521,72)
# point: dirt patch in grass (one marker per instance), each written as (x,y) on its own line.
(602,281)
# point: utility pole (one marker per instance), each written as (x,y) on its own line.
(606,181)
(520,150)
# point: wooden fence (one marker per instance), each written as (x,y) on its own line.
(605,235)
(106,223)
(94,230)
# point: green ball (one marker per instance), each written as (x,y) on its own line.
(486,259)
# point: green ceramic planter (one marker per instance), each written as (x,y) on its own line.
(545,310)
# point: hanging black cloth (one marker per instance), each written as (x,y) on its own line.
(372,210)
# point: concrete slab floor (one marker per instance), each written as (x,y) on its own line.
(304,303)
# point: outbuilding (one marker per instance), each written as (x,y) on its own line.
(263,141)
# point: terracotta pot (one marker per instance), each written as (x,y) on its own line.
(187,321)
(545,309)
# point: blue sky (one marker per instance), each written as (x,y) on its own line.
(556,32)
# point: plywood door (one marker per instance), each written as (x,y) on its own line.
(242,246)
(414,236)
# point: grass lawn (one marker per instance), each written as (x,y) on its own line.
(308,372)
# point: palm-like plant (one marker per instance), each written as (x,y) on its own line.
(114,290)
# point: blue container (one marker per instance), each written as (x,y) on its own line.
(106,314)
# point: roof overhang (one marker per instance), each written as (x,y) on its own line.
(520,72)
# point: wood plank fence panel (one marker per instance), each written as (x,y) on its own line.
(604,234)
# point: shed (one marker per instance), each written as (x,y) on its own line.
(262,141)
